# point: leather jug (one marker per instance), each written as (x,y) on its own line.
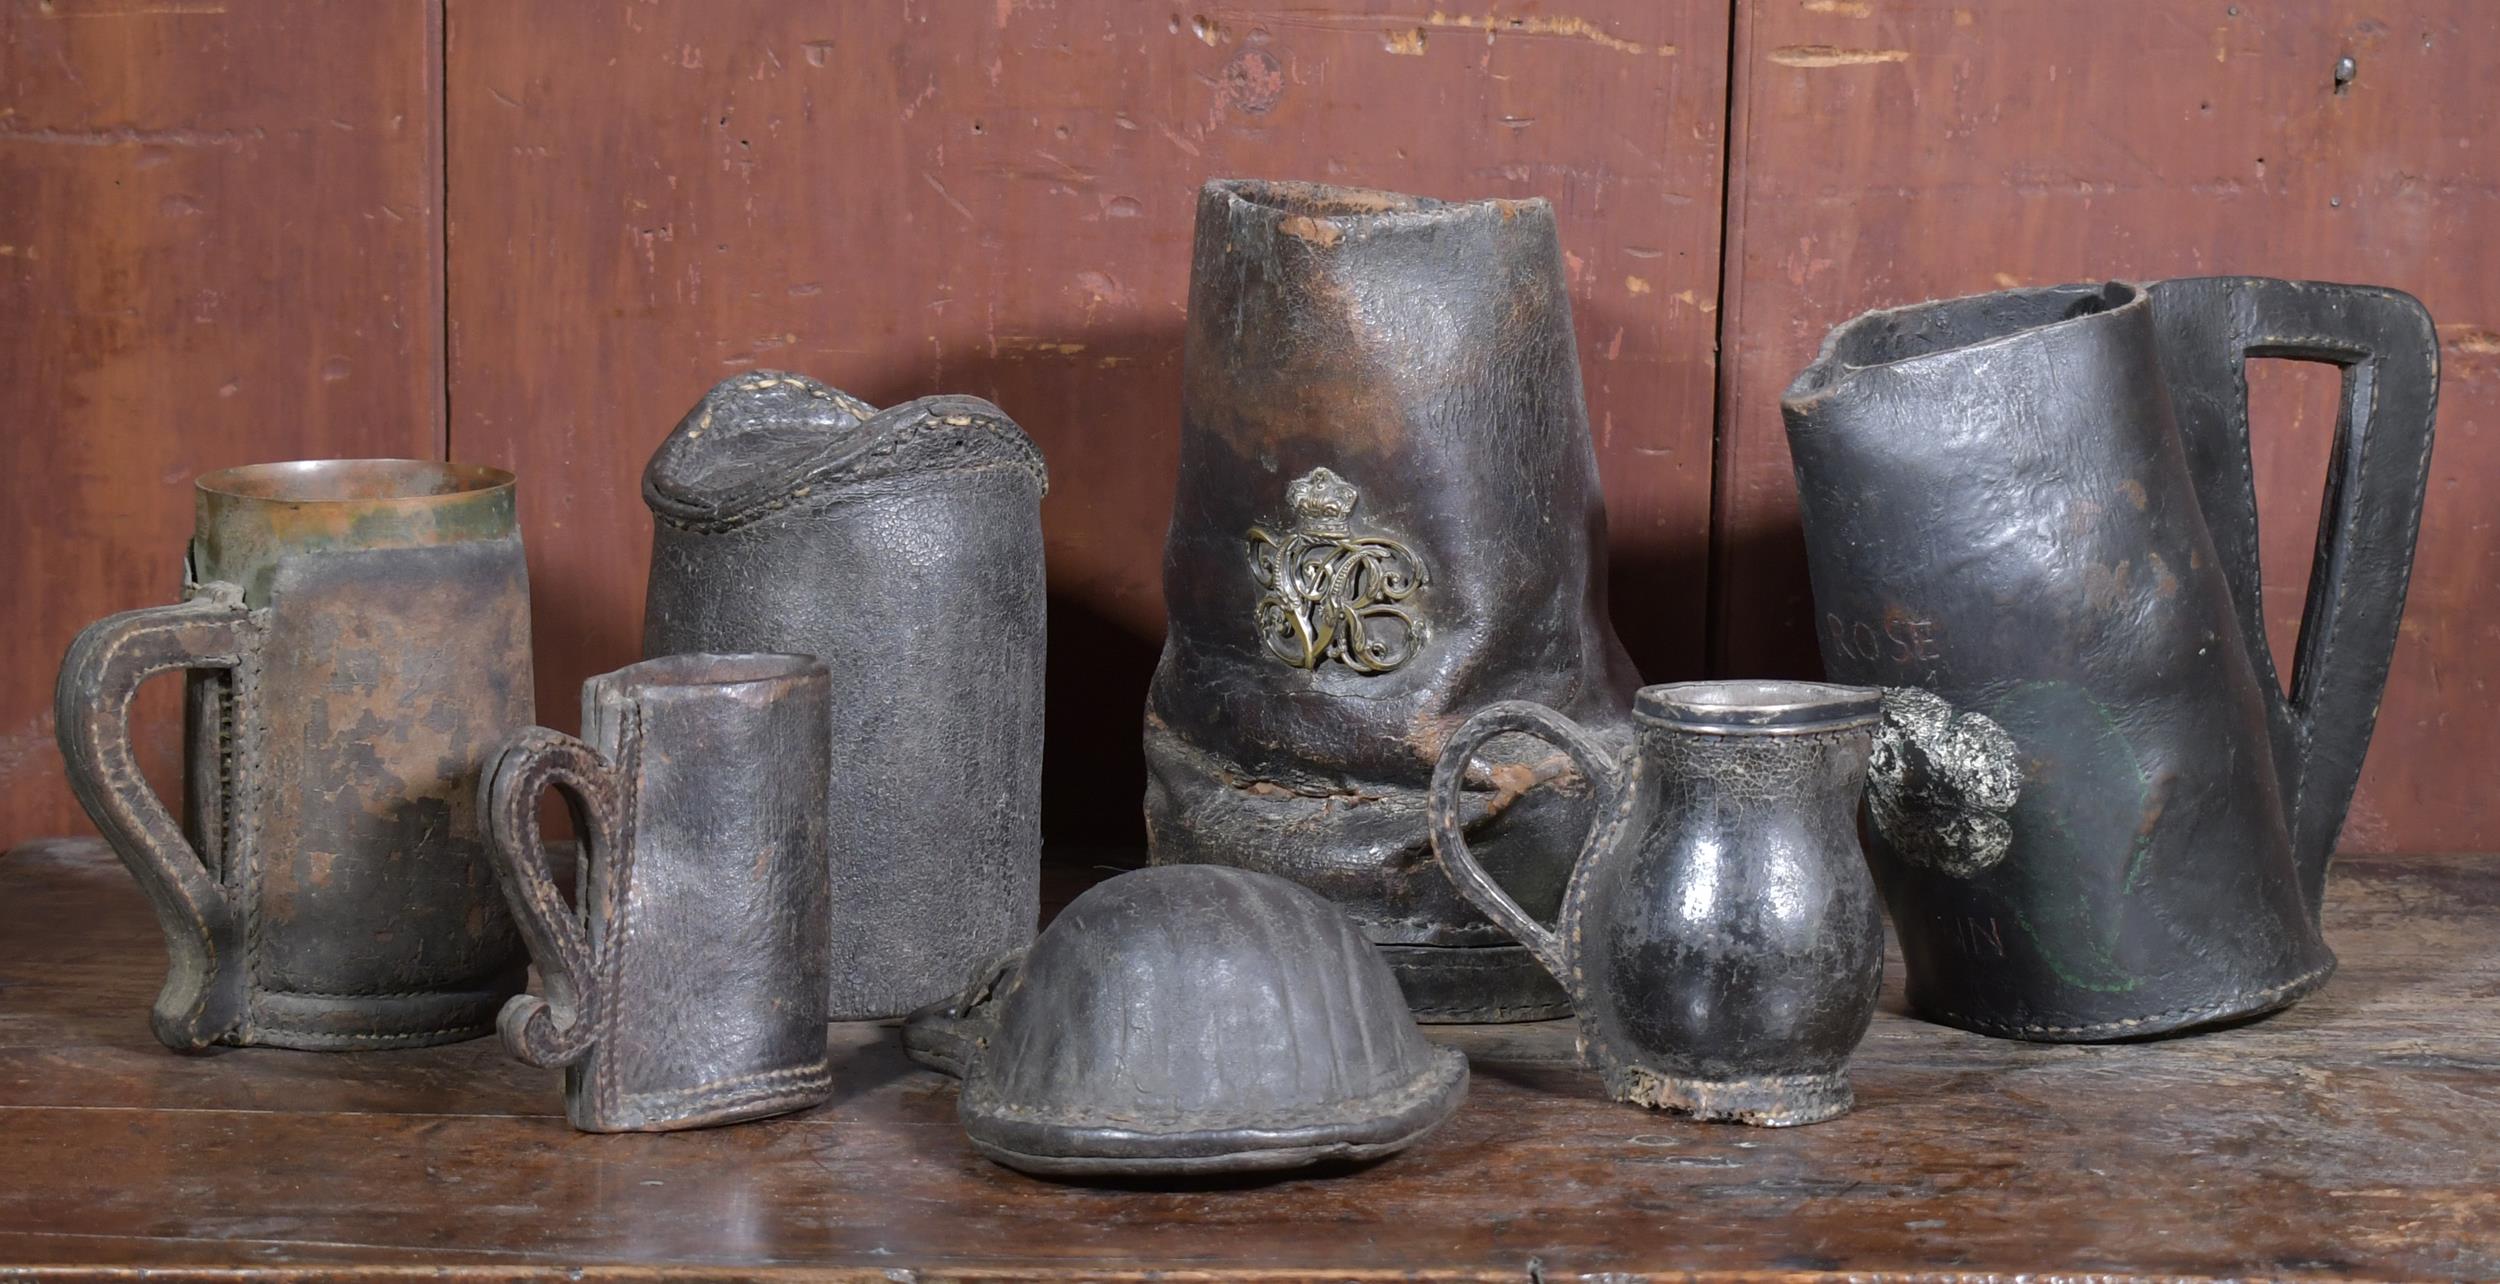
(1719,937)
(2097,812)
(1387,515)
(903,547)
(356,638)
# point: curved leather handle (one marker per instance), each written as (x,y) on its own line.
(2384,341)
(557,1029)
(205,981)
(1449,844)
(950,1033)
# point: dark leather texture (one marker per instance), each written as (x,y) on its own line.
(688,986)
(1189,1019)
(2037,506)
(330,890)
(1720,938)
(904,547)
(1422,354)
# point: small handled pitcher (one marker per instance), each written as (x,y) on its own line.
(1719,935)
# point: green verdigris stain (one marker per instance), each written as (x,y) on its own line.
(253,519)
(2076,819)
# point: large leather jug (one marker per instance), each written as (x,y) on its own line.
(2101,814)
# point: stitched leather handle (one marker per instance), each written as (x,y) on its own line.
(2384,342)
(951,1033)
(1449,844)
(204,992)
(560,1027)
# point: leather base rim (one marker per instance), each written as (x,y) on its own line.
(1491,984)
(1767,1101)
(368,1023)
(1081,1151)
(2241,1006)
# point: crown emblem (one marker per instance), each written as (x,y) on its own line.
(1322,496)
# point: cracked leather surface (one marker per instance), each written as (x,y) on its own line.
(688,987)
(1423,354)
(904,547)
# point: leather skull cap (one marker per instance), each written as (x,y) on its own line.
(1190,1019)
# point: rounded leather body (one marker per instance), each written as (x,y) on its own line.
(1998,510)
(1421,354)
(1202,1017)
(1735,935)
(903,547)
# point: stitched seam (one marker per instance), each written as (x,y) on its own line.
(1024,458)
(795,1079)
(608,963)
(199,920)
(274,993)
(2194,1009)
(244,722)
(334,1036)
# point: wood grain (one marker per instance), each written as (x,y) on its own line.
(219,244)
(1889,151)
(997,199)
(2347,1137)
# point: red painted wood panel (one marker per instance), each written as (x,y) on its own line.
(997,199)
(219,243)
(1888,151)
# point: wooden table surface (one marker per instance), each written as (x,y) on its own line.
(2354,1136)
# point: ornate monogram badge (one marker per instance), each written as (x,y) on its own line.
(1331,594)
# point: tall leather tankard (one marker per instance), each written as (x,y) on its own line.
(357,637)
(903,547)
(2037,507)
(1387,515)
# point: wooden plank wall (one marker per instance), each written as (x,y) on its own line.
(1889,151)
(223,230)
(947,197)
(220,239)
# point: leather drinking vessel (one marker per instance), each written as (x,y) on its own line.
(356,634)
(904,548)
(1719,936)
(1387,514)
(2096,813)
(686,985)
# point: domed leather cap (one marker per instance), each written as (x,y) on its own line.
(1190,1019)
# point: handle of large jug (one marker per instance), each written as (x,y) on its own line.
(2389,353)
(1553,947)
(204,997)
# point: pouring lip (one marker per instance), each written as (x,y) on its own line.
(1832,367)
(1766,706)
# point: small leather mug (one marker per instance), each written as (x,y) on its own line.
(686,985)
(356,633)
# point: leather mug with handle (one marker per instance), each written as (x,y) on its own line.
(356,634)
(1719,936)
(688,986)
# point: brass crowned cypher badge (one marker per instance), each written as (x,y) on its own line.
(1331,594)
